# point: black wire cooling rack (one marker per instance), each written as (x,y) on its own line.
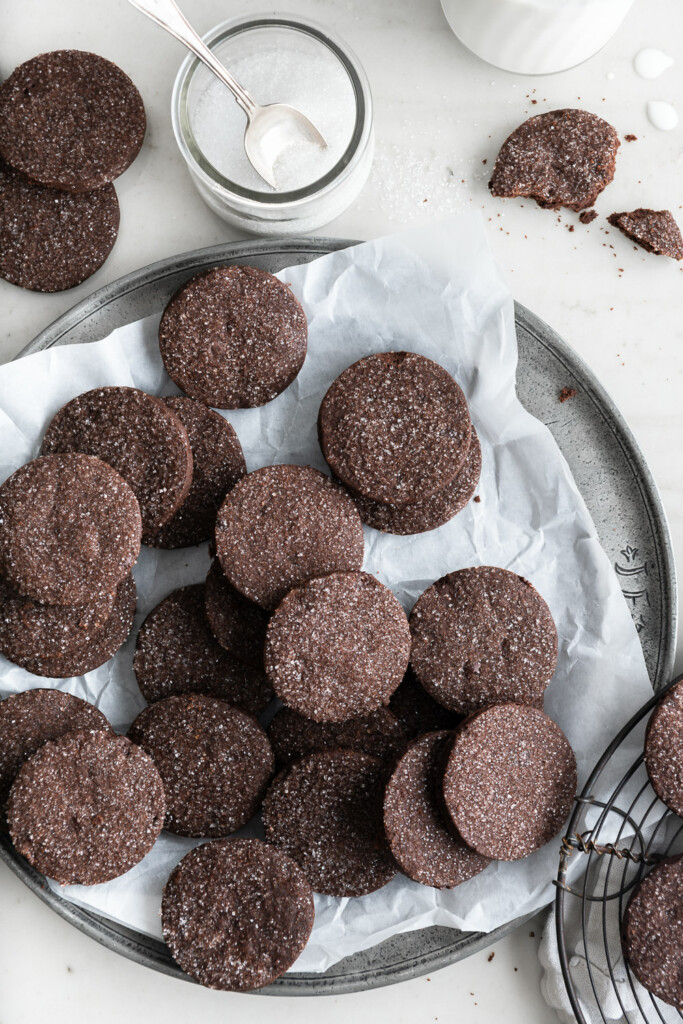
(618,830)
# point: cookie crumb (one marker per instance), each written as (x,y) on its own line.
(631,138)
(477,498)
(567,393)
(491,956)
(587,216)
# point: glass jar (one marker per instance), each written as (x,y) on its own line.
(308,67)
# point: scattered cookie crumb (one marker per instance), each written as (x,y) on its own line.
(491,956)
(570,227)
(532,935)
(587,216)
(631,138)
(567,393)
(477,498)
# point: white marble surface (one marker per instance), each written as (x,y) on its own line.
(439,114)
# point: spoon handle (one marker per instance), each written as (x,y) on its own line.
(166,14)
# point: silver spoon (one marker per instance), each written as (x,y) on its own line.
(270,129)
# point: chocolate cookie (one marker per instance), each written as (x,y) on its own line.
(176,653)
(337,647)
(424,847)
(562,158)
(218,463)
(204,921)
(138,436)
(31,718)
(664,749)
(70,119)
(69,529)
(652,931)
(482,636)
(292,736)
(238,625)
(325,812)
(51,240)
(86,807)
(100,647)
(510,781)
(233,337)
(654,230)
(283,524)
(395,427)
(432,512)
(215,762)
(417,712)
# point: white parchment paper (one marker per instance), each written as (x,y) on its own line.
(435,291)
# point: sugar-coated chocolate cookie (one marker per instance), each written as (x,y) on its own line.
(218,463)
(325,812)
(239,625)
(31,718)
(233,337)
(206,927)
(434,511)
(654,230)
(561,158)
(422,844)
(482,636)
(417,711)
(292,736)
(86,807)
(52,240)
(136,434)
(176,653)
(98,648)
(664,749)
(395,427)
(70,119)
(215,762)
(337,647)
(69,529)
(283,524)
(510,781)
(652,931)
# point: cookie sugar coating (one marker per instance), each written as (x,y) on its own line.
(562,158)
(86,807)
(69,529)
(52,240)
(70,119)
(283,524)
(233,337)
(482,636)
(215,762)
(395,427)
(510,781)
(654,230)
(325,812)
(239,625)
(292,736)
(206,928)
(424,847)
(337,647)
(664,749)
(138,436)
(652,931)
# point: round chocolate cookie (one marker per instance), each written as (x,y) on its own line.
(138,436)
(434,511)
(292,736)
(51,240)
(417,712)
(283,524)
(70,119)
(510,781)
(100,647)
(238,625)
(31,718)
(69,529)
(86,807)
(325,812)
(652,931)
(233,337)
(205,924)
(176,653)
(215,762)
(337,647)
(482,636)
(562,158)
(664,749)
(420,840)
(29,629)
(218,464)
(395,427)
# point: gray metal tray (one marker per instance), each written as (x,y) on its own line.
(609,470)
